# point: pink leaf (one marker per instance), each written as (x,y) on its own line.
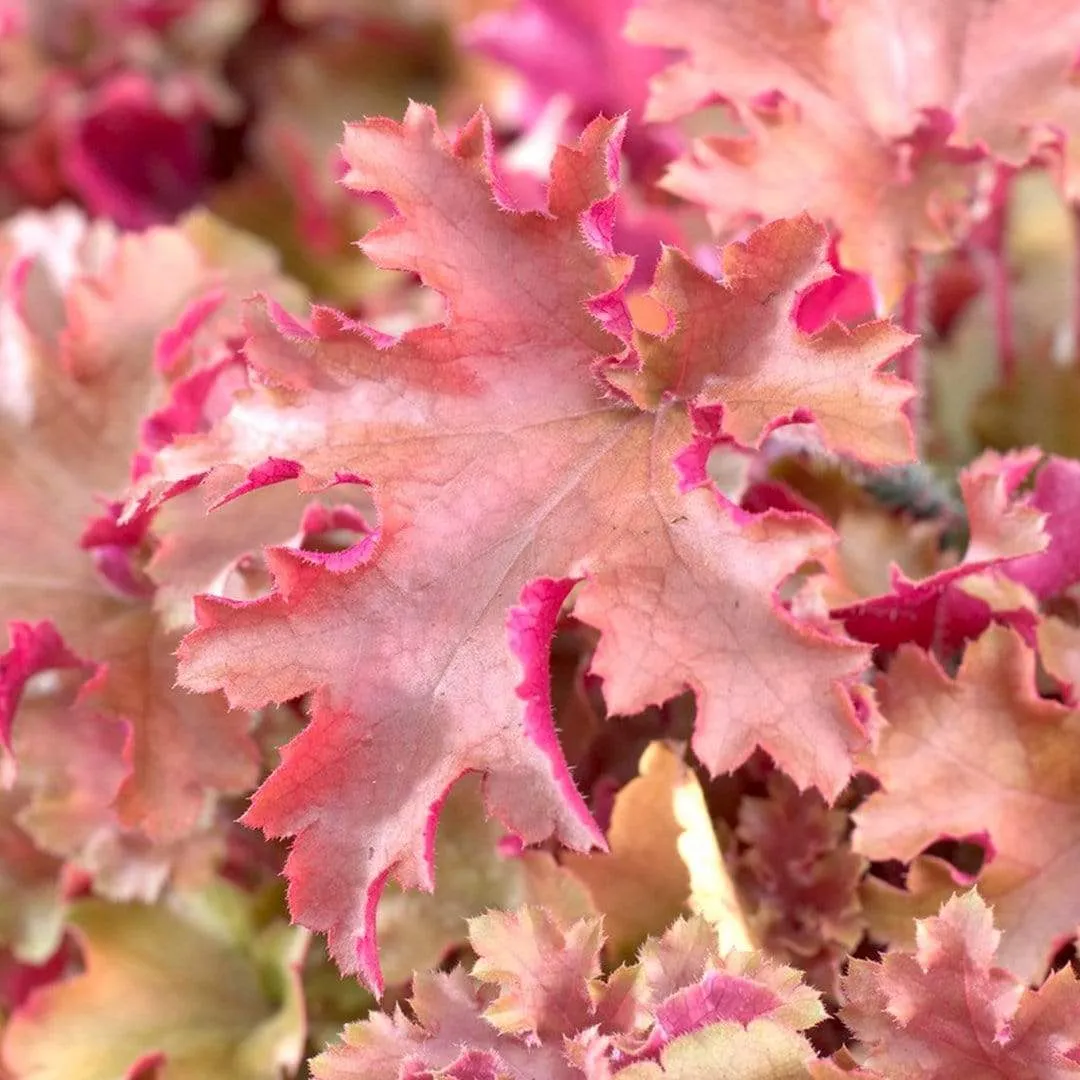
(503,467)
(947,1012)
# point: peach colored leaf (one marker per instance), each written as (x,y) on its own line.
(688,979)
(549,1014)
(550,885)
(982,755)
(890,199)
(504,469)
(874,111)
(946,1011)
(891,912)
(678,958)
(544,973)
(641,885)
(1059,650)
(690,988)
(201,986)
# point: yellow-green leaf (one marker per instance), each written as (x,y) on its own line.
(198,982)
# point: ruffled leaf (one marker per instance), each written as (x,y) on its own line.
(502,473)
(981,756)
(947,1011)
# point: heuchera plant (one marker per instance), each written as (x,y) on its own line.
(623,621)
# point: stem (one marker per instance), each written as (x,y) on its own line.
(1001,303)
(991,236)
(911,363)
(1076,285)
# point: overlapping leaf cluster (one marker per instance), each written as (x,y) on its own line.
(607,600)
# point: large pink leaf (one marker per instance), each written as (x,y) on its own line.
(505,467)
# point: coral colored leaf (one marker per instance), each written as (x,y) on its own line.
(982,755)
(200,553)
(799,877)
(689,979)
(449,1033)
(33,650)
(737,343)
(550,1014)
(179,748)
(503,470)
(72,767)
(946,1011)
(200,987)
(868,114)
(1001,526)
